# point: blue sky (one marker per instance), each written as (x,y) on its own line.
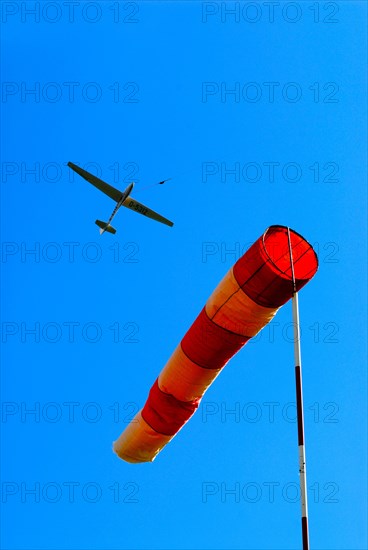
(259,117)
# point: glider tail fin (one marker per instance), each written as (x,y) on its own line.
(104,226)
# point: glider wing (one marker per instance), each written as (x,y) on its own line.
(109,190)
(141,209)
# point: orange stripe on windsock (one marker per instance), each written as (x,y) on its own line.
(139,442)
(183,378)
(229,307)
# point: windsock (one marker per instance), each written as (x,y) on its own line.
(246,300)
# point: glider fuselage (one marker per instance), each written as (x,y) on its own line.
(124,196)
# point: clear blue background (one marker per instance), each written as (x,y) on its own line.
(162,277)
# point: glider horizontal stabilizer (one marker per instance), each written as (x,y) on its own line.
(104,226)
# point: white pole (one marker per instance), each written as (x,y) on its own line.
(300,416)
(299,406)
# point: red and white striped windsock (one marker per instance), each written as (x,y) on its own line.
(242,304)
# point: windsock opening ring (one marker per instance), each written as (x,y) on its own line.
(264,271)
(305,263)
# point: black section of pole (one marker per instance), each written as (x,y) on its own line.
(305,534)
(299,405)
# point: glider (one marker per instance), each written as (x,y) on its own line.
(247,298)
(122,198)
